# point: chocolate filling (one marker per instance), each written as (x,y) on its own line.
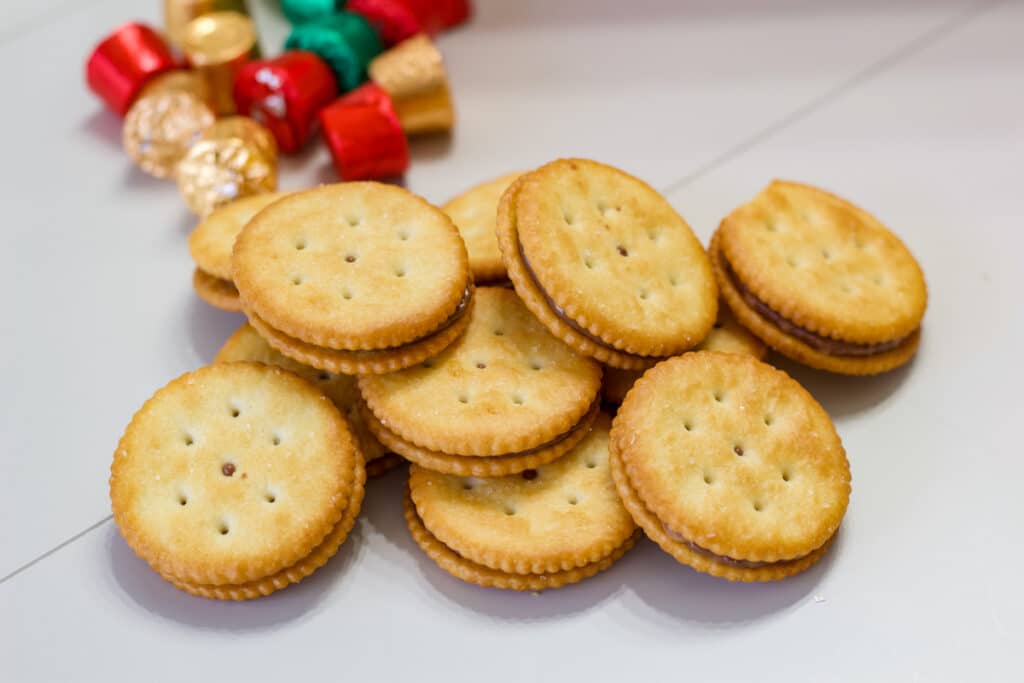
(748,564)
(572,323)
(826,345)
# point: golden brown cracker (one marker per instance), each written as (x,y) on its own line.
(473,213)
(352,266)
(734,456)
(211,242)
(505,386)
(211,482)
(217,292)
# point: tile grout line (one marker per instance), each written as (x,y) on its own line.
(866,74)
(874,69)
(51,551)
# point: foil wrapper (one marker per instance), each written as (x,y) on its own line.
(345,41)
(160,128)
(394,20)
(414,75)
(218,45)
(246,129)
(123,62)
(177,80)
(178,13)
(215,172)
(364,136)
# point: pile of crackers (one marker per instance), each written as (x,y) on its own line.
(489,343)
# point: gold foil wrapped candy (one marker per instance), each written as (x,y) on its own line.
(177,14)
(160,128)
(225,165)
(177,80)
(414,75)
(218,45)
(245,128)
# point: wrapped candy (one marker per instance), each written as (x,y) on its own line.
(124,62)
(245,128)
(285,94)
(160,128)
(310,11)
(394,20)
(177,80)
(364,136)
(218,45)
(435,15)
(178,13)
(230,161)
(345,41)
(413,74)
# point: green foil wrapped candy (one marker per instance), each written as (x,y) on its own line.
(310,11)
(345,41)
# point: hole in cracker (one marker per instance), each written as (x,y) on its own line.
(567,217)
(529,475)
(499,333)
(768,419)
(653,235)
(481,365)
(588,262)
(601,206)
(351,257)
(877,279)
(738,450)
(403,235)
(182,499)
(770,226)
(269,497)
(276,440)
(235,412)
(509,510)
(228,469)
(758,506)
(688,426)
(643,294)
(591,464)
(353,220)
(673,280)
(467,485)
(786,476)
(573,500)
(826,254)
(189,440)
(463,398)
(535,365)
(297,280)
(708,478)
(791,261)
(622,250)
(518,400)
(346,294)
(719,396)
(223,528)
(300,245)
(399,272)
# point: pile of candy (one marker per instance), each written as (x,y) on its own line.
(200,104)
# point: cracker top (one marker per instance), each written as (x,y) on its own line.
(825,264)
(505,386)
(734,455)
(247,345)
(559,516)
(352,266)
(615,256)
(211,242)
(473,213)
(231,473)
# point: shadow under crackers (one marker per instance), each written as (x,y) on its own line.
(683,594)
(144,586)
(841,395)
(383,514)
(103,125)
(209,327)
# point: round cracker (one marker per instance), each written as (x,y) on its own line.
(217,292)
(481,466)
(231,473)
(505,386)
(613,254)
(247,344)
(352,266)
(791,347)
(560,516)
(824,264)
(473,213)
(212,240)
(298,571)
(471,572)
(735,456)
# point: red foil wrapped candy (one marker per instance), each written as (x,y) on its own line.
(285,94)
(124,61)
(364,135)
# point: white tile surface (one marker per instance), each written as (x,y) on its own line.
(923,582)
